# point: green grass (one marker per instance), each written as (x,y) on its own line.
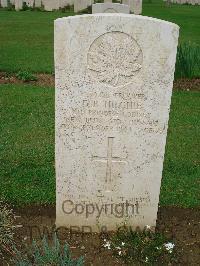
(187,61)
(27,144)
(26,38)
(142,247)
(26,41)
(186,16)
(181,184)
(27,172)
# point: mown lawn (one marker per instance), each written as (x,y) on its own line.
(27,173)
(26,37)
(186,16)
(26,41)
(27,144)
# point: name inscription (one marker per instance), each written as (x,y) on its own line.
(104,111)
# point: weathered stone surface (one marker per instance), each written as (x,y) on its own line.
(114,77)
(90,2)
(18,5)
(135,6)
(80,5)
(50,5)
(38,3)
(12,2)
(4,3)
(128,3)
(110,8)
(64,3)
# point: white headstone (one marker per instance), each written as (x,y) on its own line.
(18,5)
(50,5)
(110,8)
(80,5)
(114,78)
(38,3)
(135,6)
(90,2)
(4,3)
(64,3)
(128,2)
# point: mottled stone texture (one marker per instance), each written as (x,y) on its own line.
(18,5)
(135,6)
(110,8)
(4,3)
(80,5)
(50,5)
(64,3)
(114,77)
(38,3)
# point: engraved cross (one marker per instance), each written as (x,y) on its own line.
(109,159)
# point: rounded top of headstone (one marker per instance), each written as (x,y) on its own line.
(121,15)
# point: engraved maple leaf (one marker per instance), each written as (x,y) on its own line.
(113,58)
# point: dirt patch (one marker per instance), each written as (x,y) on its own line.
(187,84)
(181,225)
(48,80)
(43,80)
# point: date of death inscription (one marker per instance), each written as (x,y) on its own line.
(115,113)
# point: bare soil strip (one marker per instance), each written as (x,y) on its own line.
(181,225)
(48,80)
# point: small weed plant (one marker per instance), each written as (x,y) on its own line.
(141,247)
(47,254)
(25,7)
(26,76)
(10,7)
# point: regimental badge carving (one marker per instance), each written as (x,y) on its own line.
(114,58)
